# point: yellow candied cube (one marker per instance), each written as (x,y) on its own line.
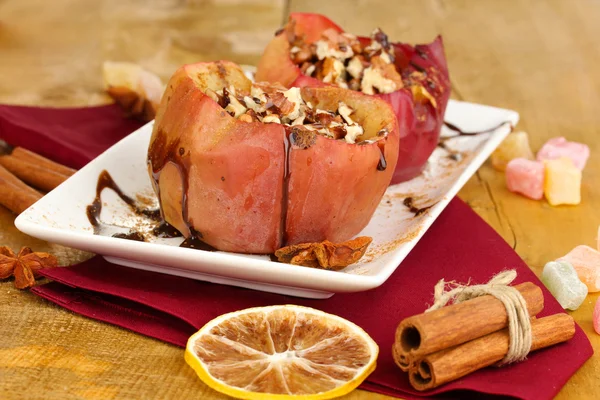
(516,145)
(562,182)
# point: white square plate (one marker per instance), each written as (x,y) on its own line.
(60,216)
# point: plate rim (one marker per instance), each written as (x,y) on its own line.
(283,274)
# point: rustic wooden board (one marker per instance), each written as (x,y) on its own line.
(540,58)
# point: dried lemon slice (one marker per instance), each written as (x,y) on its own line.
(280,352)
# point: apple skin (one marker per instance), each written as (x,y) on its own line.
(254,187)
(420,122)
(335,187)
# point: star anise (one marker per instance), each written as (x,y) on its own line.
(24,266)
(326,255)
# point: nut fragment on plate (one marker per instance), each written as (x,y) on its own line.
(133,88)
(24,266)
(326,255)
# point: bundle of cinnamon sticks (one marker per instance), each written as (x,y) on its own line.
(23,174)
(446,344)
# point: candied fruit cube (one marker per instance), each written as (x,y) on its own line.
(596,316)
(560,147)
(516,145)
(586,262)
(562,281)
(525,177)
(562,182)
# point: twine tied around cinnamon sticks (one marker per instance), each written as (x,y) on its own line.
(519,322)
(449,341)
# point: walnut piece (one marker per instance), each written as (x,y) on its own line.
(245,118)
(284,106)
(325,255)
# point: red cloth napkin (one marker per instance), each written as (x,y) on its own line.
(459,246)
(71,136)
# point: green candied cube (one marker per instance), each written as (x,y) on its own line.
(562,281)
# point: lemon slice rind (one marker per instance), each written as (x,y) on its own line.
(202,370)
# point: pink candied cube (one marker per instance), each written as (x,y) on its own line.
(525,177)
(560,147)
(586,262)
(596,316)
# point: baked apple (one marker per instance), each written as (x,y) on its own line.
(311,50)
(254,167)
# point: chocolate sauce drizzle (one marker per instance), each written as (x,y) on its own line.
(456,155)
(159,154)
(131,235)
(166,230)
(463,133)
(287,145)
(194,243)
(105,181)
(452,154)
(94,209)
(382,164)
(152,213)
(408,202)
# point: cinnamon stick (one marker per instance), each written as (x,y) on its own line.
(449,326)
(402,359)
(45,175)
(40,161)
(447,365)
(14,194)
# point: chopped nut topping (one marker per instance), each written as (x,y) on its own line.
(274,104)
(340,59)
(284,106)
(310,69)
(345,112)
(245,118)
(235,108)
(271,119)
(334,72)
(375,82)
(295,98)
(352,132)
(355,67)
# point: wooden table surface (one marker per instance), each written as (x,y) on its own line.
(538,57)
